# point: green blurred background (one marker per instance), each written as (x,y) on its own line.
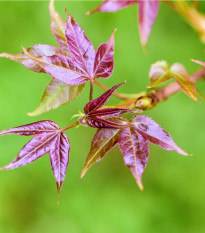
(107,199)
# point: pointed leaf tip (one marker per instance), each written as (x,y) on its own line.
(59,186)
(83,172)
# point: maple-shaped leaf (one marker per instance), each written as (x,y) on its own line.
(154,133)
(160,73)
(103,141)
(135,150)
(148,11)
(49,139)
(74,63)
(94,113)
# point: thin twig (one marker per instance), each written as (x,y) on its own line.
(118,95)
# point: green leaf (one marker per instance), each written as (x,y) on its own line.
(179,73)
(104,140)
(55,95)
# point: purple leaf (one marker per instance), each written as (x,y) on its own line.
(59,157)
(34,149)
(38,51)
(148,11)
(112,5)
(94,115)
(155,134)
(135,150)
(104,63)
(111,123)
(39,127)
(103,141)
(80,47)
(62,68)
(100,101)
(58,26)
(109,112)
(49,139)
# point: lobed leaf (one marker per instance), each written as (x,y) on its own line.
(49,139)
(148,11)
(135,150)
(56,95)
(103,141)
(155,134)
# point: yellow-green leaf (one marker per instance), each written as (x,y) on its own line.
(55,95)
(104,140)
(179,73)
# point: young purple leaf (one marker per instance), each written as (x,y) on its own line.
(100,101)
(155,134)
(59,158)
(135,150)
(49,139)
(38,51)
(81,49)
(111,6)
(94,115)
(104,62)
(39,127)
(62,68)
(56,95)
(111,123)
(58,26)
(148,11)
(103,141)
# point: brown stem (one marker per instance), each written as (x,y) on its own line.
(151,99)
(71,126)
(191,15)
(91,89)
(118,95)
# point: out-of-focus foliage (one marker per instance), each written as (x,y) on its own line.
(107,199)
